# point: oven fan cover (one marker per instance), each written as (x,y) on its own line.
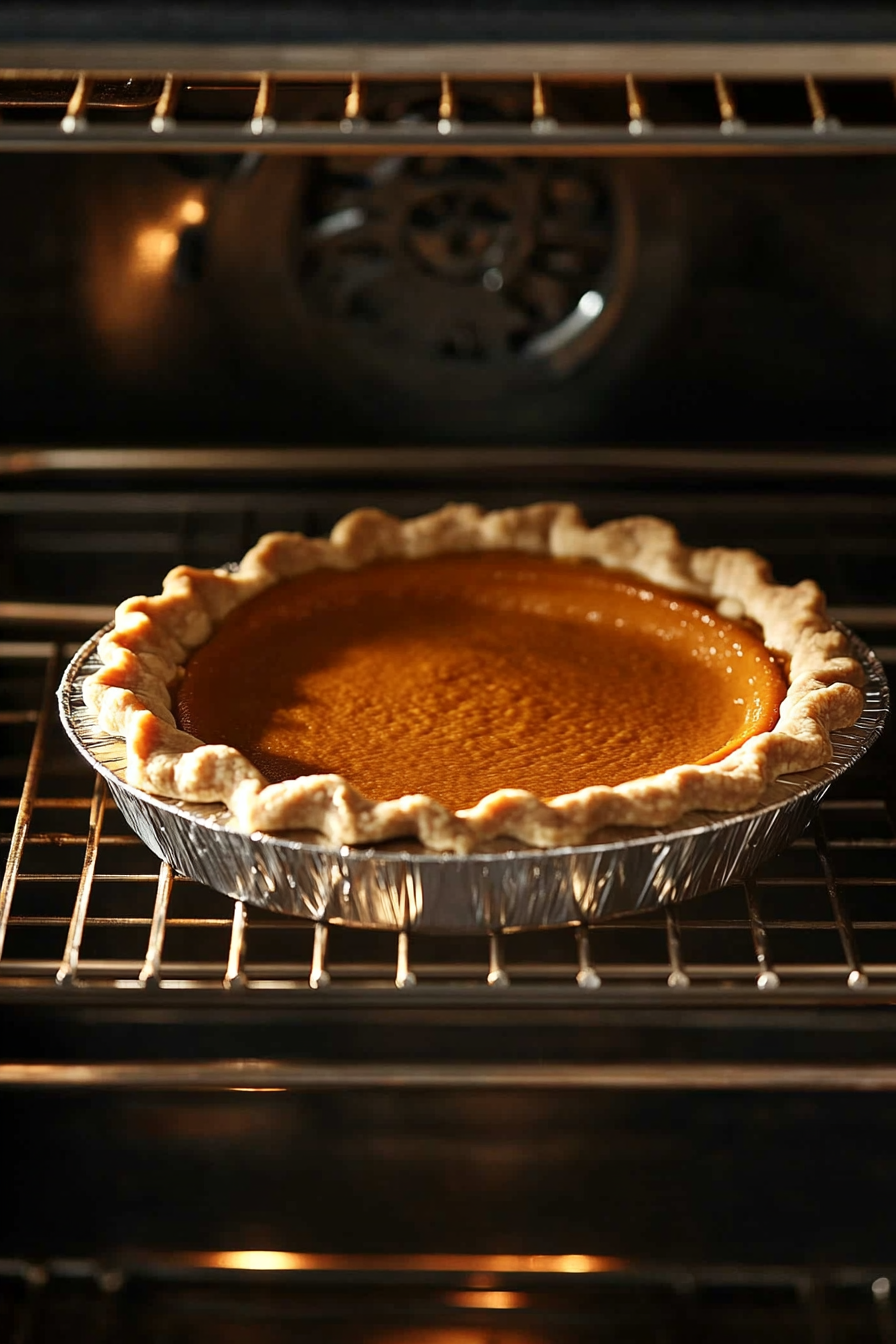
(447,295)
(446,264)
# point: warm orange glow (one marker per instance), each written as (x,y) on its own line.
(476,1266)
(260,1260)
(154,248)
(192,211)
(490,1301)
(580,1264)
(257,1089)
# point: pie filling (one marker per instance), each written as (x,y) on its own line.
(462,674)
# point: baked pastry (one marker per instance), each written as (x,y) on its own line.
(465,675)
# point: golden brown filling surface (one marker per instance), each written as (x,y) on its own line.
(466,673)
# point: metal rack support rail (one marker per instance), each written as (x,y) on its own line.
(83,91)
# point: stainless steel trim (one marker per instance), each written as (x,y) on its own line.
(833,60)
(431,461)
(536,138)
(55,613)
(253,1074)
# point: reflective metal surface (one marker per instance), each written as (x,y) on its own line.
(404,888)
(319,105)
(836,58)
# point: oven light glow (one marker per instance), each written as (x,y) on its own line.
(492,1301)
(582,1264)
(154,249)
(479,1269)
(260,1260)
(192,211)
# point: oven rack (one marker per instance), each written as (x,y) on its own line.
(444,111)
(202,1295)
(83,904)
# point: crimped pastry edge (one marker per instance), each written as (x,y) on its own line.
(144,654)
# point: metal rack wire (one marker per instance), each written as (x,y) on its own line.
(358,112)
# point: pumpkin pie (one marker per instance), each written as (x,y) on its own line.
(465,675)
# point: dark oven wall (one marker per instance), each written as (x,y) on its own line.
(252,299)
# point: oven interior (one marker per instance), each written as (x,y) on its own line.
(238,301)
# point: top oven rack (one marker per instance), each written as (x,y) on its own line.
(356,112)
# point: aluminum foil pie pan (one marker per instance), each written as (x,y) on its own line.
(402,887)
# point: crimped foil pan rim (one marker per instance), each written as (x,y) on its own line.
(708,844)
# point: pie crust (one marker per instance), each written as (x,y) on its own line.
(145,653)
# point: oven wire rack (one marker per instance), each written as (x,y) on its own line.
(321,107)
(192,1296)
(67,846)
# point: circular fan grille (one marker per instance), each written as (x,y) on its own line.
(460,260)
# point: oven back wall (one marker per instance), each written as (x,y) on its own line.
(244,299)
(670,1178)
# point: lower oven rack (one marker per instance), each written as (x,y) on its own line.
(201,1298)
